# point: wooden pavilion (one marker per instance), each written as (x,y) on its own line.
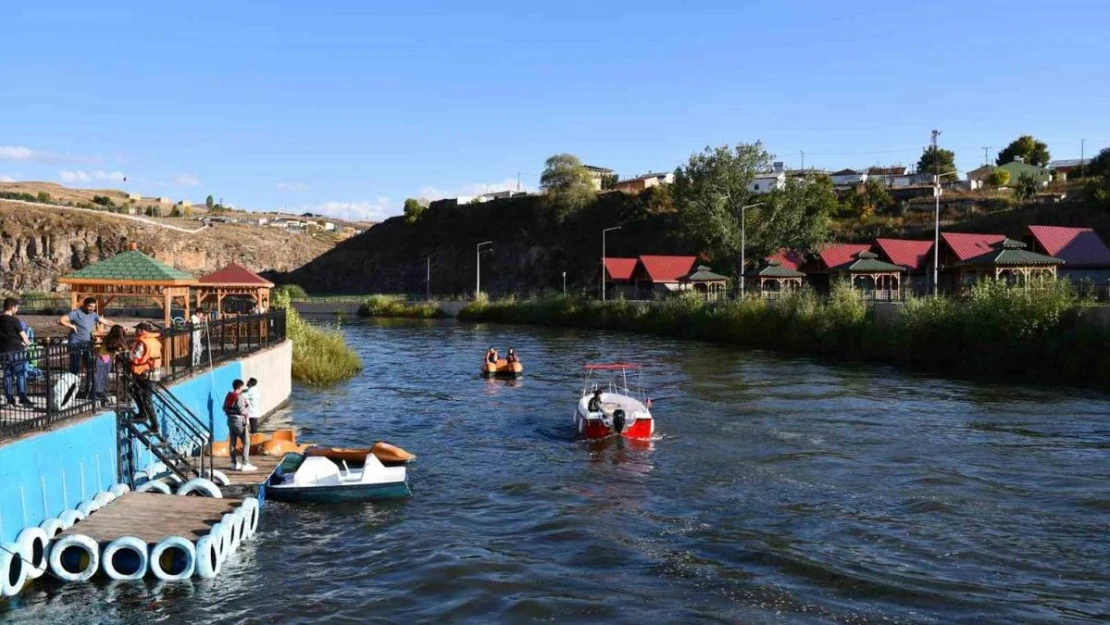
(872,276)
(774,277)
(135,275)
(1008,260)
(702,280)
(234,280)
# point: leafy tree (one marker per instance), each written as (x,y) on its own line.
(209,202)
(176,212)
(414,209)
(102,200)
(43,197)
(567,183)
(1027,186)
(865,201)
(660,199)
(608,180)
(149,212)
(1029,149)
(1099,165)
(942,162)
(998,178)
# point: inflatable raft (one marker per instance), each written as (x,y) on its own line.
(502,368)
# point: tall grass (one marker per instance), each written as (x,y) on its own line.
(999,331)
(321,356)
(388,306)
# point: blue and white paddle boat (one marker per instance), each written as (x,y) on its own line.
(318,479)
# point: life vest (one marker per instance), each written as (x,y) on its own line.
(151,357)
(231,404)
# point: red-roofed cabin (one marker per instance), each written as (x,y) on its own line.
(915,256)
(657,276)
(821,267)
(618,277)
(1086,257)
(234,289)
(957,248)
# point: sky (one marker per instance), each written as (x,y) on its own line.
(348,108)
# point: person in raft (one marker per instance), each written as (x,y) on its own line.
(491,356)
(252,396)
(595,402)
(511,357)
(237,408)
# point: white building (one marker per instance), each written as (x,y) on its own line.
(769,181)
(848,178)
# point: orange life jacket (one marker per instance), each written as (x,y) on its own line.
(151,357)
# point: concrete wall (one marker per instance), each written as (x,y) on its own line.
(46,473)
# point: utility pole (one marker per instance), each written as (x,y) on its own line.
(803,153)
(1082,154)
(478,269)
(603,233)
(936,231)
(744,241)
(428,280)
(986,159)
(518,182)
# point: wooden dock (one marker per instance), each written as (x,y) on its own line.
(245,483)
(154,517)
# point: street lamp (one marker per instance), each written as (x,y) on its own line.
(478,267)
(564,283)
(936,231)
(744,240)
(603,232)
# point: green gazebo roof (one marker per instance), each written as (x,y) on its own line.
(1011,253)
(703,274)
(868,262)
(133,266)
(774,269)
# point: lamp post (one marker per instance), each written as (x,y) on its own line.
(603,233)
(478,267)
(564,283)
(744,240)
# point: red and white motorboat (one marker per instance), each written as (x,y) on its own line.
(624,410)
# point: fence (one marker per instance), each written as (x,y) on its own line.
(53,381)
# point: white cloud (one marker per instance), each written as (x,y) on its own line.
(74,176)
(15,153)
(294,187)
(115,176)
(4,178)
(185,180)
(366,210)
(470,190)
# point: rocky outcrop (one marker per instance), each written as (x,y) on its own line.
(40,245)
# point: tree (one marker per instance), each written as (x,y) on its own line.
(43,197)
(567,182)
(176,212)
(942,162)
(414,210)
(865,201)
(998,178)
(1027,186)
(1029,149)
(1099,165)
(102,200)
(608,180)
(209,202)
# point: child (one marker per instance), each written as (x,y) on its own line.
(252,396)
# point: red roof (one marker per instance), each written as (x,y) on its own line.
(1078,247)
(790,259)
(237,275)
(838,254)
(908,253)
(620,268)
(667,268)
(966,246)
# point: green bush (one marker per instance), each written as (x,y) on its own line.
(321,356)
(387,306)
(292,291)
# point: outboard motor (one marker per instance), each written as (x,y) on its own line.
(618,420)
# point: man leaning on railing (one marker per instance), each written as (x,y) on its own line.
(83,322)
(13,342)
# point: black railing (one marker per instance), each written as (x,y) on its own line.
(61,380)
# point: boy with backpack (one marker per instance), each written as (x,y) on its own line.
(237,408)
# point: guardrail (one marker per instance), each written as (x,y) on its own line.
(53,380)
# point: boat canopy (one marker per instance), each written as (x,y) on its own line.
(616,366)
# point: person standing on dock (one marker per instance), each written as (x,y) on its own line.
(237,409)
(252,396)
(13,342)
(83,323)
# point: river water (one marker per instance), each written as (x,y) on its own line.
(779,490)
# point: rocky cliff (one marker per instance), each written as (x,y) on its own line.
(38,245)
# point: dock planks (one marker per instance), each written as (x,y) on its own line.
(265,464)
(153,517)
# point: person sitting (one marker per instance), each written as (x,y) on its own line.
(511,357)
(491,356)
(595,402)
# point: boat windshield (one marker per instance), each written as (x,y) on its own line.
(619,379)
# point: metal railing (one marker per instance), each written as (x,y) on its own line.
(53,380)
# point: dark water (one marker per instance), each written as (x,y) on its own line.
(781,490)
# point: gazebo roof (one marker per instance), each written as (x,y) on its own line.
(703,274)
(235,275)
(868,262)
(775,269)
(1011,253)
(132,266)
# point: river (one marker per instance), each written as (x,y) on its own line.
(779,490)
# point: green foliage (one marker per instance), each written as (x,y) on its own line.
(103,200)
(608,181)
(567,183)
(864,202)
(998,178)
(13,195)
(414,209)
(176,212)
(936,162)
(660,199)
(209,202)
(1027,186)
(321,356)
(386,306)
(1099,165)
(1031,151)
(43,197)
(291,291)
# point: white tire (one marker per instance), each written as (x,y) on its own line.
(231,534)
(173,479)
(251,511)
(216,532)
(63,392)
(125,559)
(35,545)
(69,518)
(74,558)
(153,486)
(200,486)
(13,569)
(218,477)
(208,556)
(103,498)
(87,507)
(173,559)
(52,527)
(119,490)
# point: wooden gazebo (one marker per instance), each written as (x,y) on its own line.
(704,281)
(1008,260)
(775,278)
(234,280)
(871,275)
(131,274)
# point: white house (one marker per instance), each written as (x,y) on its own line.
(329,226)
(895,176)
(769,181)
(848,178)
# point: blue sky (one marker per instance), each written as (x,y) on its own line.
(354,106)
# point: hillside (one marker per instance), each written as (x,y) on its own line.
(40,244)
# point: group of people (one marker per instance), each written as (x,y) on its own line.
(241,406)
(510,356)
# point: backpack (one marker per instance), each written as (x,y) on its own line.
(231,403)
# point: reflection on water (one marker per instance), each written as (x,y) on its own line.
(778,490)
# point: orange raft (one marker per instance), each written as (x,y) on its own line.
(502,368)
(388,454)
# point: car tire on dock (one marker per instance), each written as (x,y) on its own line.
(74,558)
(52,527)
(173,559)
(209,561)
(35,545)
(250,510)
(200,486)
(153,486)
(125,559)
(13,569)
(69,518)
